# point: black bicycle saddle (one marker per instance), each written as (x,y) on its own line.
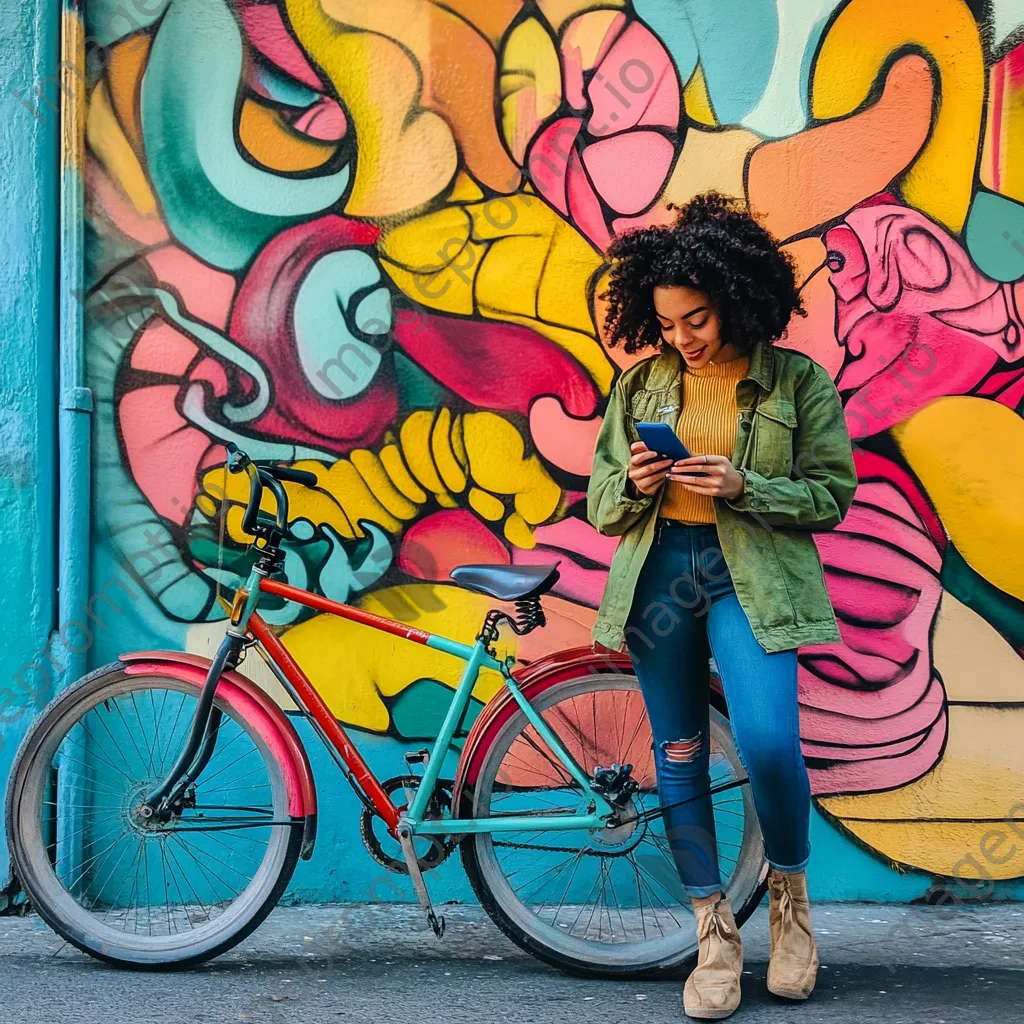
(507,582)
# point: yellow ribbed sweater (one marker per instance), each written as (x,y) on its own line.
(707,426)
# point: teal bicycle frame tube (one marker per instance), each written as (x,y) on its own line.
(476,657)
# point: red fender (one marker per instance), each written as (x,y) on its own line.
(533,679)
(254,705)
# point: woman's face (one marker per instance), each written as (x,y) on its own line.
(689,323)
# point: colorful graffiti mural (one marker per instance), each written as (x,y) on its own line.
(367,239)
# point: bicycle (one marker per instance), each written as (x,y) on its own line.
(159,806)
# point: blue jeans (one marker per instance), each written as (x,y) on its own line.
(685,609)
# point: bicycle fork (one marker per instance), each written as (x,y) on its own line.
(202,737)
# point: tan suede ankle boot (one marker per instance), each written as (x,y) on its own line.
(793,967)
(713,989)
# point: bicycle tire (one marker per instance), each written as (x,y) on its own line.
(745,887)
(57,907)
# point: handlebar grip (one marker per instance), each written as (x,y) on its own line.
(292,476)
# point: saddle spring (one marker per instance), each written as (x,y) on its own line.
(529,616)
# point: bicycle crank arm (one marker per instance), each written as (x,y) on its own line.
(412,863)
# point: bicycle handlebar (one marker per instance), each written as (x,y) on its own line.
(293,476)
(265,476)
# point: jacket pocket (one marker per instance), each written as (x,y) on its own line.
(774,421)
(652,407)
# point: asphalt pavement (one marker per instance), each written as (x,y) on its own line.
(880,963)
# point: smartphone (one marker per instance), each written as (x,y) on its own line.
(661,438)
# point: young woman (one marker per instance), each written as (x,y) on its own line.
(716,555)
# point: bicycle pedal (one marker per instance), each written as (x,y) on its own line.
(417,757)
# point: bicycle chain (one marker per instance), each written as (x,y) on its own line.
(640,819)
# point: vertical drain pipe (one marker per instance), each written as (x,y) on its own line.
(75,419)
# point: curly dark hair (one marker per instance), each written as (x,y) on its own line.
(714,246)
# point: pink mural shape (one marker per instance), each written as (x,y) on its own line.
(917,318)
(262,322)
(436,544)
(583,557)
(605,161)
(635,83)
(475,359)
(872,707)
(325,120)
(266,32)
(614,155)
(563,440)
(163,450)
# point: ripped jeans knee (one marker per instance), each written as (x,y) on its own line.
(682,751)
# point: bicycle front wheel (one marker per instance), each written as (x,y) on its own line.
(604,902)
(132,891)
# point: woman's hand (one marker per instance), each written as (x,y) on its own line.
(713,475)
(647,470)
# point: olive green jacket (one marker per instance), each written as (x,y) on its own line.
(795,455)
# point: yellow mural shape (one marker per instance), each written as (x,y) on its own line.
(436,52)
(711,160)
(588,34)
(386,665)
(437,455)
(963,642)
(110,146)
(464,189)
(968,794)
(124,72)
(511,258)
(407,155)
(697,100)
(858,44)
(531,84)
(969,455)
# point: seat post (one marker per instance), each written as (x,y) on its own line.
(489,631)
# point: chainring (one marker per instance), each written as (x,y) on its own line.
(440,847)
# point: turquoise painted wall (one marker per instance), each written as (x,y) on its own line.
(28,371)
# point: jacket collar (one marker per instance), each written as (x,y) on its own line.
(762,365)
(668,368)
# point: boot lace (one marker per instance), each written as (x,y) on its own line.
(714,922)
(783,894)
(784,898)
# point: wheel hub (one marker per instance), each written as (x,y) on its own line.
(141,816)
(133,806)
(625,829)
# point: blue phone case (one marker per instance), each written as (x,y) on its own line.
(661,438)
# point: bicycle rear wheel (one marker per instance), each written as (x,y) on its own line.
(604,902)
(124,889)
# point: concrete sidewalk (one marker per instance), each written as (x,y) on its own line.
(880,963)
